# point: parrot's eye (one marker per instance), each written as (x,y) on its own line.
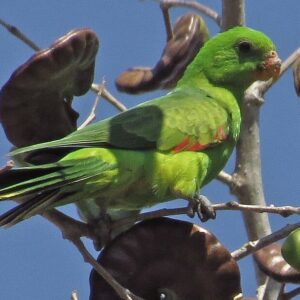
(244,47)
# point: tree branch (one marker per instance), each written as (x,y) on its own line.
(108,96)
(167,22)
(21,36)
(69,226)
(194,5)
(95,87)
(92,114)
(74,295)
(233,14)
(225,178)
(72,230)
(255,245)
(284,211)
(121,291)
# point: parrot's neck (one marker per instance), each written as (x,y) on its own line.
(200,81)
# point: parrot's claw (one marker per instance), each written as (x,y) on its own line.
(203,207)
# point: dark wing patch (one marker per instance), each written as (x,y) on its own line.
(139,128)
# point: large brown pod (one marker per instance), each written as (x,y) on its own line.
(271,262)
(35,103)
(189,35)
(168,259)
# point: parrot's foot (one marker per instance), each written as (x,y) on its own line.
(203,207)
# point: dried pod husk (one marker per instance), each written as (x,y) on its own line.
(271,262)
(296,74)
(189,35)
(35,103)
(166,257)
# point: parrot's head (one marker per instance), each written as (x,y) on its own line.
(238,57)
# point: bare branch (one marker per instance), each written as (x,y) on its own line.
(92,114)
(233,13)
(253,246)
(248,164)
(74,295)
(108,96)
(225,178)
(72,230)
(194,5)
(122,292)
(21,36)
(284,211)
(68,225)
(231,205)
(166,16)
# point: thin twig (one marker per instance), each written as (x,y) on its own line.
(209,12)
(166,16)
(253,246)
(233,13)
(284,211)
(225,178)
(151,215)
(95,87)
(72,230)
(122,292)
(74,295)
(68,225)
(231,205)
(92,114)
(108,96)
(21,36)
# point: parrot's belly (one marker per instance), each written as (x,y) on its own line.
(145,178)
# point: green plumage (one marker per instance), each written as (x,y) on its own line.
(163,149)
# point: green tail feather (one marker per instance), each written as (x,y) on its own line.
(40,186)
(30,207)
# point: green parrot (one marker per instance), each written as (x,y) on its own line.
(160,150)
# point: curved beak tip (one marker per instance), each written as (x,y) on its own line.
(270,67)
(273,64)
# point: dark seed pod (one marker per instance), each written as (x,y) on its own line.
(271,262)
(168,259)
(35,103)
(189,35)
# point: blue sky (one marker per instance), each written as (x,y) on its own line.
(36,263)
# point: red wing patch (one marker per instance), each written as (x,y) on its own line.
(182,146)
(187,145)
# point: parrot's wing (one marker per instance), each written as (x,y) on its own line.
(182,120)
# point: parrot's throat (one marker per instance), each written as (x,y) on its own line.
(200,81)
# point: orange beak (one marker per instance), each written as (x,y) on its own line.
(269,68)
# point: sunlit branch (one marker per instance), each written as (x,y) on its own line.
(194,5)
(232,206)
(253,246)
(91,117)
(108,96)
